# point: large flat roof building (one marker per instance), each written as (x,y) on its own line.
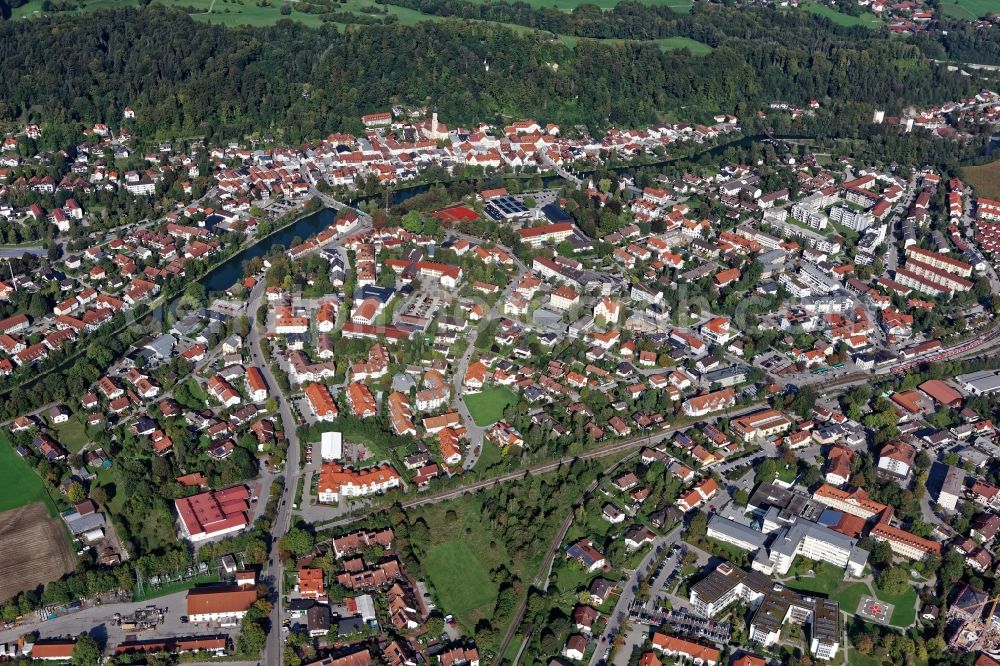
(983,382)
(772,606)
(775,551)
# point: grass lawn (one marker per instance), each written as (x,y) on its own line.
(19,485)
(460,555)
(969,9)
(850,596)
(867,19)
(486,407)
(460,579)
(570,577)
(822,232)
(828,581)
(676,43)
(985,179)
(788,474)
(488,457)
(905,613)
(858,659)
(72,434)
(731,552)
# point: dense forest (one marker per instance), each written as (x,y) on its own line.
(187,78)
(963,42)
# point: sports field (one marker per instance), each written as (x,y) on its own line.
(969,9)
(984,179)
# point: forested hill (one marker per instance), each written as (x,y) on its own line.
(185,77)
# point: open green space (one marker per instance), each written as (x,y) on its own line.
(905,612)
(460,579)
(867,19)
(822,232)
(489,456)
(570,576)
(247,12)
(788,473)
(858,659)
(486,407)
(19,485)
(460,555)
(984,179)
(72,434)
(728,550)
(969,9)
(196,390)
(677,43)
(829,581)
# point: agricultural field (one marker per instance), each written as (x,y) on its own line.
(984,179)
(48,558)
(969,9)
(867,19)
(486,407)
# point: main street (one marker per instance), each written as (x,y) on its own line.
(282,521)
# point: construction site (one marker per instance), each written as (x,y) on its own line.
(973,622)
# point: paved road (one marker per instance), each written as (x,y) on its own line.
(629,590)
(289,423)
(475,432)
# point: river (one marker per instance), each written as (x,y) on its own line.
(229,272)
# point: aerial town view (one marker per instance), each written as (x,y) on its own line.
(500,332)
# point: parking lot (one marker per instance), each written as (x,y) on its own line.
(100,622)
(684,623)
